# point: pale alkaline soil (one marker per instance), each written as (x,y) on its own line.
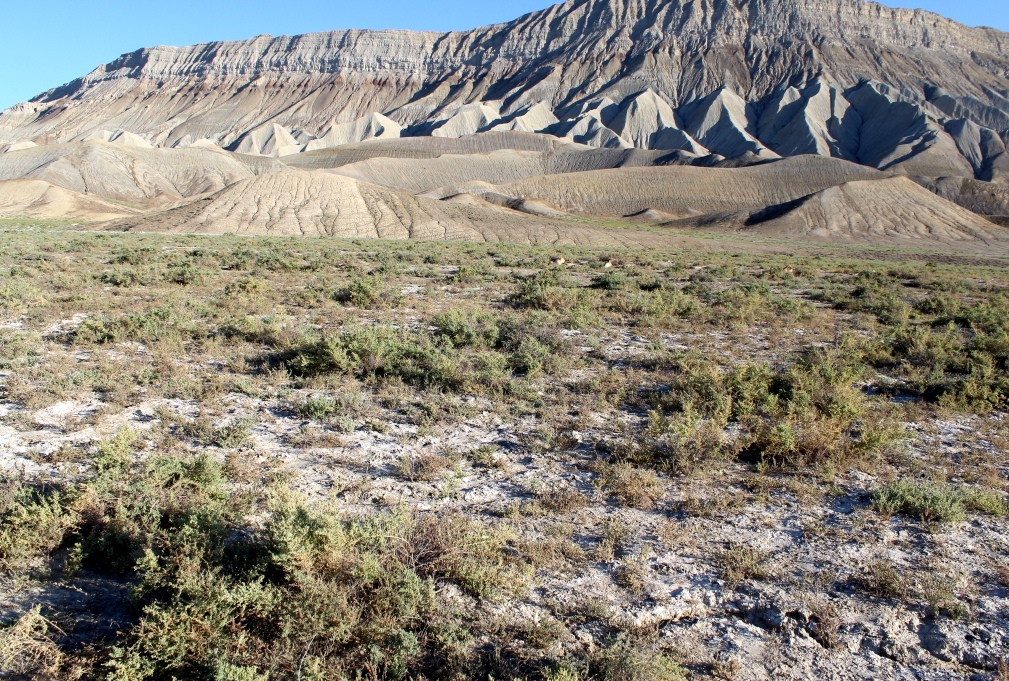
(240,458)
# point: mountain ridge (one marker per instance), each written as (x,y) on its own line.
(708,79)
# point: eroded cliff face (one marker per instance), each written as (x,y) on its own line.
(719,65)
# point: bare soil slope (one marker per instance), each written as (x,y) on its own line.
(500,166)
(134,175)
(41,200)
(682,190)
(421,175)
(324,204)
(984,198)
(893,211)
(424,148)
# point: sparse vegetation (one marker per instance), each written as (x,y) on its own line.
(933,502)
(743,562)
(317,459)
(883,579)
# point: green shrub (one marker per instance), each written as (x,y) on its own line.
(684,443)
(321,594)
(744,304)
(611,280)
(33,523)
(143,327)
(989,316)
(271,261)
(116,453)
(932,502)
(963,369)
(564,671)
(629,660)
(185,274)
(18,296)
(532,357)
(541,291)
(467,274)
(659,308)
(227,436)
(465,328)
(811,413)
(984,501)
(376,353)
(134,256)
(123,277)
(17,347)
(261,330)
(871,292)
(246,286)
(368,293)
(320,407)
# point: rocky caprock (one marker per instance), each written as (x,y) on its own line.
(754,78)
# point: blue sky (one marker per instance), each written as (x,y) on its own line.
(45,43)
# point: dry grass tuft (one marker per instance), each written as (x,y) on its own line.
(27,649)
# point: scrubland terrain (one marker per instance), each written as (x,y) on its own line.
(625,341)
(244,458)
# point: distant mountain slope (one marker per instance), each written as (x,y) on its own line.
(679,191)
(894,211)
(41,200)
(322,204)
(882,87)
(142,177)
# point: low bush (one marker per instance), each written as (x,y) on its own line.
(143,327)
(225,436)
(883,579)
(252,329)
(871,292)
(611,280)
(20,296)
(27,649)
(125,277)
(961,368)
(743,562)
(185,273)
(627,659)
(33,522)
(322,407)
(659,308)
(541,291)
(368,293)
(18,347)
(933,502)
(217,594)
(427,466)
(378,353)
(469,328)
(630,486)
(810,413)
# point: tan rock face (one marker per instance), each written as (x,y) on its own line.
(724,61)
(370,127)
